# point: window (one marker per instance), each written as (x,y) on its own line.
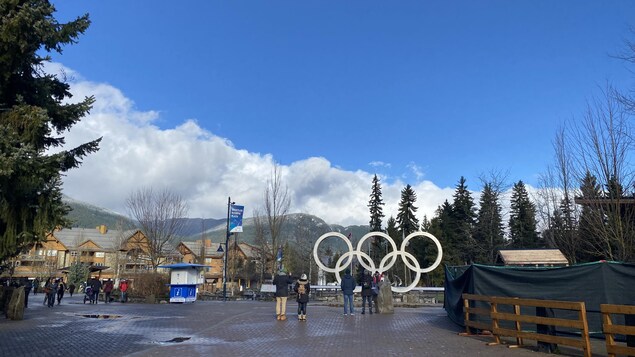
(99,254)
(74,253)
(51,253)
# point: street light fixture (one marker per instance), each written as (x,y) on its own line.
(229,204)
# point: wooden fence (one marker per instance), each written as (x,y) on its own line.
(469,308)
(517,318)
(611,329)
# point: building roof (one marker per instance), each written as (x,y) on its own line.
(532,257)
(72,238)
(210,251)
(183,266)
(249,250)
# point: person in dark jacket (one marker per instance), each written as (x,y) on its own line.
(61,287)
(348,285)
(108,286)
(71,289)
(282,281)
(51,292)
(302,288)
(367,292)
(95,284)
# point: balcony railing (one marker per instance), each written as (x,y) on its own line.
(32,257)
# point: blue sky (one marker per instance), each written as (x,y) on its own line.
(419,92)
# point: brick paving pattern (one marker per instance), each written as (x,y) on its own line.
(238,328)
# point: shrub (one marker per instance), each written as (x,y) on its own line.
(151,283)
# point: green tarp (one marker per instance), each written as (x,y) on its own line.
(593,283)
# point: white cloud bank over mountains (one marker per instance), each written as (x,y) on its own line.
(205,169)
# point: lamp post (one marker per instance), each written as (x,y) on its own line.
(229,204)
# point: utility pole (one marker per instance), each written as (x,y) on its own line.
(229,204)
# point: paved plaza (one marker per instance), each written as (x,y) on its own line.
(236,328)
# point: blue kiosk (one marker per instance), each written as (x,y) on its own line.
(184,278)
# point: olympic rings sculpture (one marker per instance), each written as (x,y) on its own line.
(365,260)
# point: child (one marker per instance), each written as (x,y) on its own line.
(302,287)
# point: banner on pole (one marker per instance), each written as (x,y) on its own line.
(236,218)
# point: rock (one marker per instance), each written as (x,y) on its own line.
(15,309)
(384,298)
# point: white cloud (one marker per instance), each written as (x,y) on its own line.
(416,170)
(205,169)
(379,164)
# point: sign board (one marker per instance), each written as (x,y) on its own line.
(236,218)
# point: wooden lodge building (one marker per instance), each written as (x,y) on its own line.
(117,254)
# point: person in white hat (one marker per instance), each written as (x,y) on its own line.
(302,288)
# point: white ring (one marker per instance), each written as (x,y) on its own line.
(362,257)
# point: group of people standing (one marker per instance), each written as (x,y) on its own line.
(369,291)
(94,286)
(369,294)
(302,288)
(55,287)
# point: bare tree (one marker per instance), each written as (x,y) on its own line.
(555,202)
(119,247)
(599,148)
(264,248)
(302,247)
(276,207)
(159,214)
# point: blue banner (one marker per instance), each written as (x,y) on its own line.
(236,218)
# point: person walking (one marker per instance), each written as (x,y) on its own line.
(367,292)
(108,286)
(36,286)
(52,291)
(348,285)
(302,288)
(282,281)
(95,285)
(47,289)
(27,290)
(123,288)
(71,289)
(376,279)
(61,287)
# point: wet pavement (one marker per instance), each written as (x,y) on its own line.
(236,328)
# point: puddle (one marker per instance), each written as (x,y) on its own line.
(96,316)
(177,340)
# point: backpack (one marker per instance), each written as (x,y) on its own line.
(301,289)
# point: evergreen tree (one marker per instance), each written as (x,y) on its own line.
(591,218)
(439,227)
(406,216)
(463,216)
(392,229)
(408,223)
(78,273)
(607,224)
(376,215)
(522,220)
(32,115)
(375,203)
(489,234)
(563,230)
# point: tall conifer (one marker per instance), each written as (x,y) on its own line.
(33,114)
(376,215)
(463,216)
(489,234)
(522,220)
